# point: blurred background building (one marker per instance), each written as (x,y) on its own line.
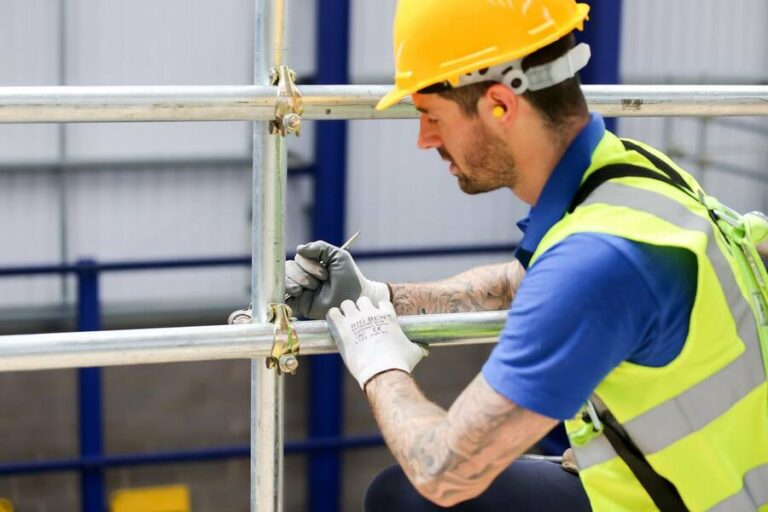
(160,214)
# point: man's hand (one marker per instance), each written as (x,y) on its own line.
(322,276)
(370,340)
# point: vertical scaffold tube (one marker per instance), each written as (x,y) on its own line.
(268,267)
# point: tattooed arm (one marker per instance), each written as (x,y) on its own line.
(452,456)
(487,288)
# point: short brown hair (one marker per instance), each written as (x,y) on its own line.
(557,104)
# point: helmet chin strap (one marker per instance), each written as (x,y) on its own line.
(535,78)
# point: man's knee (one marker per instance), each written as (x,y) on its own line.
(387,491)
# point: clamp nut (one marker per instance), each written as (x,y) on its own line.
(288,363)
(292,123)
(241,316)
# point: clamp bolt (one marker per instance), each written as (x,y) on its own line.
(288,363)
(292,123)
(241,316)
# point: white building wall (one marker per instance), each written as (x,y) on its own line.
(706,42)
(694,41)
(398,196)
(134,214)
(28,56)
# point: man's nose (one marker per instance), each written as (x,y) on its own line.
(428,137)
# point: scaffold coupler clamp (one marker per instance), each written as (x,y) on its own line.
(289,106)
(285,348)
(241,316)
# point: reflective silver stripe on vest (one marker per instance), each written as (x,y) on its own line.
(695,407)
(598,450)
(752,496)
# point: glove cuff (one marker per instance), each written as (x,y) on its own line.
(372,371)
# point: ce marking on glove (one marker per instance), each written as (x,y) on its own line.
(369,327)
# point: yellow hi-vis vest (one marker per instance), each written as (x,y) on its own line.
(701,421)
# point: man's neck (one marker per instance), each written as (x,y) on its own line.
(541,154)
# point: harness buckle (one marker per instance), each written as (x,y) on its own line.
(591,425)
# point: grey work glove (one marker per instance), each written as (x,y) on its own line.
(370,339)
(322,276)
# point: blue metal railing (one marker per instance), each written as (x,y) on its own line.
(102,462)
(89,390)
(233,261)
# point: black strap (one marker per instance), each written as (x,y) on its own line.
(667,174)
(658,163)
(663,493)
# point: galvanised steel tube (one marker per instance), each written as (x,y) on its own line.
(678,100)
(270,174)
(257,102)
(147,346)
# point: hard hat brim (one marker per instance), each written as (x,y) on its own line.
(391,98)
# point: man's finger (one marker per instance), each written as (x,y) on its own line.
(312,267)
(387,307)
(297,276)
(334,316)
(423,347)
(318,250)
(365,304)
(349,308)
(292,288)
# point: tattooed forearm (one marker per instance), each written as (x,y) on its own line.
(487,288)
(409,422)
(451,456)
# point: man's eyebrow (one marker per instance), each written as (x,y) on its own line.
(422,110)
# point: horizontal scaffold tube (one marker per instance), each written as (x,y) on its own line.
(144,346)
(257,103)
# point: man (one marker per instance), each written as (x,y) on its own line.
(630,316)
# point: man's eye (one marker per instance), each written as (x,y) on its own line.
(431,120)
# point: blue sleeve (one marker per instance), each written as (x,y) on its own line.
(585,306)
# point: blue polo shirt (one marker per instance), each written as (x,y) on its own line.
(588,303)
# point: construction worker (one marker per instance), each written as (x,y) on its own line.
(633,310)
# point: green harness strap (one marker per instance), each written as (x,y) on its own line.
(741,234)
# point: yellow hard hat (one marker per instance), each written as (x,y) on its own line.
(441,40)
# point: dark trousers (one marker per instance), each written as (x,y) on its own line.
(526,485)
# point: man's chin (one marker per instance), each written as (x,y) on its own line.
(470,188)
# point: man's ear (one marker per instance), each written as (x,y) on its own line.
(498,104)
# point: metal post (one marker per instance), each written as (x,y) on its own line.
(268,267)
(326,376)
(89,390)
(60,171)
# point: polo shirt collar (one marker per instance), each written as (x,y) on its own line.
(560,188)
